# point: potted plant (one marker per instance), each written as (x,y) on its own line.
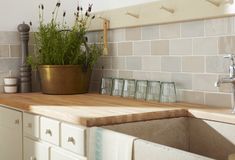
(64,58)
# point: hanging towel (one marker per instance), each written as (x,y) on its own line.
(109,145)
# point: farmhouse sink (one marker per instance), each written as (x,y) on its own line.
(189,136)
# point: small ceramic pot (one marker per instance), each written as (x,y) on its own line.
(10,81)
(10,89)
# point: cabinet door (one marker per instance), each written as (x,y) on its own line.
(59,154)
(35,150)
(10,134)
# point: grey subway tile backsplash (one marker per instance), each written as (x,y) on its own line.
(192,29)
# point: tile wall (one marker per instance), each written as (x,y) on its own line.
(10,53)
(188,53)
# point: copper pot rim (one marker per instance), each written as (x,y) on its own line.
(60,66)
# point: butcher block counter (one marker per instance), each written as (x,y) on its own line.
(98,110)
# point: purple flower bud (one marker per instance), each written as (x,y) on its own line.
(81,8)
(58,4)
(93,17)
(78,8)
(30,23)
(64,14)
(87,14)
(39,6)
(42,6)
(90,7)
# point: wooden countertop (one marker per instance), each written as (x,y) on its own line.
(97,110)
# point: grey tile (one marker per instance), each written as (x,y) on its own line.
(192,29)
(118,63)
(204,82)
(133,63)
(171,64)
(142,48)
(217,64)
(205,46)
(182,80)
(151,63)
(218,100)
(168,31)
(150,32)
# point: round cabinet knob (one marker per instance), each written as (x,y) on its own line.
(49,132)
(72,140)
(17,121)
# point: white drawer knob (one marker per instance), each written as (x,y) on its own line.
(48,131)
(17,121)
(29,125)
(72,140)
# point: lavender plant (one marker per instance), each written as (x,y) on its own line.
(59,44)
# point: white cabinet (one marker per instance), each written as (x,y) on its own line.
(31,125)
(10,134)
(59,154)
(35,150)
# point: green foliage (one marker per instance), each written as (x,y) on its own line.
(58,45)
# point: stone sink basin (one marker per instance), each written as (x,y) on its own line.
(210,139)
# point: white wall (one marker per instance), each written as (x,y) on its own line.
(13,12)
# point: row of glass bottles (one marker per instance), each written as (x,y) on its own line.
(139,89)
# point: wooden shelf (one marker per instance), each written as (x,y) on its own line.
(151,13)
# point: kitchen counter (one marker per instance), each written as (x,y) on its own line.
(97,110)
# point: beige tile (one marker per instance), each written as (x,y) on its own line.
(220,26)
(9,37)
(170,31)
(218,99)
(204,82)
(217,64)
(113,49)
(8,64)
(227,45)
(192,29)
(182,80)
(142,48)
(150,32)
(133,63)
(125,48)
(194,64)
(192,97)
(118,63)
(133,33)
(126,74)
(205,46)
(151,63)
(116,35)
(181,47)
(225,87)
(161,76)
(15,50)
(160,47)
(4,50)
(171,64)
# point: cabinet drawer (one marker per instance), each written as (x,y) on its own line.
(59,154)
(31,125)
(35,150)
(50,130)
(11,119)
(73,138)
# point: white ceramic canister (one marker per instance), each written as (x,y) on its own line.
(10,81)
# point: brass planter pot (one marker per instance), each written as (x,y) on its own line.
(64,79)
